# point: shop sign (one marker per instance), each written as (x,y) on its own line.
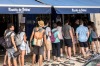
(19,10)
(79,10)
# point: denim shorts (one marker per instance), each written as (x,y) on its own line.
(10,52)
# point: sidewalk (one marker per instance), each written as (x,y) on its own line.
(76,61)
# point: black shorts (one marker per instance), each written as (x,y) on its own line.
(94,39)
(68,42)
(98,39)
(61,43)
(38,50)
(83,44)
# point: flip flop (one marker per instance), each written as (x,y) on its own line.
(4,65)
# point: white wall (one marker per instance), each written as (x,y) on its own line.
(96,19)
(20,16)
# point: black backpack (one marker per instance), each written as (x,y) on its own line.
(8,42)
(2,42)
(45,30)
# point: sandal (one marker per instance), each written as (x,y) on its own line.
(45,61)
(59,60)
(4,65)
(67,62)
(48,61)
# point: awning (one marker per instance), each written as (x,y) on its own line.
(74,6)
(23,6)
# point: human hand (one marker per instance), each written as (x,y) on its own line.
(15,49)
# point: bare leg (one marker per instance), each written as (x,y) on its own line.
(61,51)
(58,59)
(66,52)
(83,52)
(22,57)
(93,46)
(79,49)
(97,46)
(54,58)
(48,55)
(33,59)
(5,58)
(69,52)
(40,60)
(15,61)
(87,51)
(74,49)
(19,60)
(44,53)
(9,61)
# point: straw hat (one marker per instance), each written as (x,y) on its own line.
(41,23)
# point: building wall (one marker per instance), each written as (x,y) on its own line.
(96,19)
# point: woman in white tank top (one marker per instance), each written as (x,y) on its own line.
(22,46)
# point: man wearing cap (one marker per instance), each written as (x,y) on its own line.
(38,50)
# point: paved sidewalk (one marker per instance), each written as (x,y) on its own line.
(76,61)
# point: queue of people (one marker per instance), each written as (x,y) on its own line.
(59,42)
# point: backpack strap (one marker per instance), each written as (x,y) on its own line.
(55,32)
(8,34)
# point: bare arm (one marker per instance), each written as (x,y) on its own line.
(88,34)
(97,33)
(45,39)
(59,36)
(25,38)
(32,36)
(49,33)
(71,34)
(13,42)
(76,35)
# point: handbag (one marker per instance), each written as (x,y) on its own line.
(16,54)
(37,42)
(27,48)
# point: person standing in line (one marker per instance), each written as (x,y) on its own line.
(82,34)
(74,42)
(68,38)
(94,36)
(90,37)
(56,44)
(22,47)
(10,51)
(38,34)
(48,45)
(5,57)
(59,28)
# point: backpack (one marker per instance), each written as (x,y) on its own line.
(2,42)
(45,30)
(52,36)
(8,44)
(18,40)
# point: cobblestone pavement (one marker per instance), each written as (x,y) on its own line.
(75,61)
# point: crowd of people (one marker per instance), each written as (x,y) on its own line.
(57,42)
